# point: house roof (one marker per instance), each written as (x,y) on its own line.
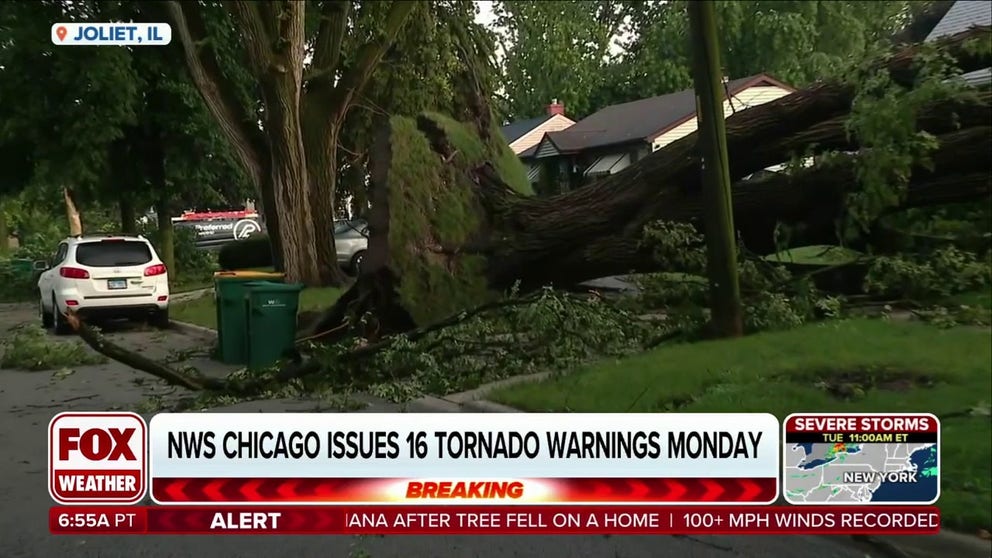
(640,120)
(515,130)
(962,16)
(529,152)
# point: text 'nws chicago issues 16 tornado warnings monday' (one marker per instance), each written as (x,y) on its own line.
(861,459)
(508,473)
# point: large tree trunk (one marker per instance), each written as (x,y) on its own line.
(129,218)
(321,141)
(270,215)
(275,43)
(281,90)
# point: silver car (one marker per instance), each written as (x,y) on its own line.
(351,240)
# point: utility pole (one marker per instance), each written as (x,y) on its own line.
(718,216)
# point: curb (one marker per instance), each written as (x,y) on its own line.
(473,400)
(192,329)
(190,295)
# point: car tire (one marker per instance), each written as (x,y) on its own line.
(356,263)
(58,320)
(47,319)
(160,319)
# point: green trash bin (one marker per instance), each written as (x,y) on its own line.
(232,318)
(272,309)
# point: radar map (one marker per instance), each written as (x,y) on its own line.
(861,459)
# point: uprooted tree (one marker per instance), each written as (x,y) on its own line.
(452,227)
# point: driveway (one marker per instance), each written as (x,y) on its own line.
(29,399)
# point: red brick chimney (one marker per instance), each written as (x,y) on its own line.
(556,108)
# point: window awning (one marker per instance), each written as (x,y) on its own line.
(608,164)
(533,173)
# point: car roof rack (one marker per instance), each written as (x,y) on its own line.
(108,235)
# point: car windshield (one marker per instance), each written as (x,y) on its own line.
(113,253)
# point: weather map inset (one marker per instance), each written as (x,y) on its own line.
(861,459)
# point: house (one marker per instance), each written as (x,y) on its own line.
(617,136)
(524,135)
(961,16)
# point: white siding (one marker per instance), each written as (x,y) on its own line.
(752,96)
(533,137)
(546,149)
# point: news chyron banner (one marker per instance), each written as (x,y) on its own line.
(465,458)
(472,474)
(862,458)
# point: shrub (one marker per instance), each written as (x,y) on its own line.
(255,251)
(16,285)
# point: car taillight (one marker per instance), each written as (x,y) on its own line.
(74,273)
(157,269)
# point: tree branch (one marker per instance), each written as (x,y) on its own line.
(138,361)
(218,91)
(355,78)
(256,18)
(330,36)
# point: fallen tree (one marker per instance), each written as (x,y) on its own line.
(449,225)
(452,228)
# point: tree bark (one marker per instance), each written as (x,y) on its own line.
(281,78)
(129,219)
(321,142)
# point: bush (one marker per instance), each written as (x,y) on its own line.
(255,251)
(16,285)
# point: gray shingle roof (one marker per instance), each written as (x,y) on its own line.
(515,130)
(963,15)
(638,120)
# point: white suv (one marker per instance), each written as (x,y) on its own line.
(104,276)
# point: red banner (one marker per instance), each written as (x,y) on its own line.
(579,490)
(493,520)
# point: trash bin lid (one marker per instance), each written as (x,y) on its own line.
(248,274)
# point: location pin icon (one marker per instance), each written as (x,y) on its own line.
(60,32)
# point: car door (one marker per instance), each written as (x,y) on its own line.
(46,283)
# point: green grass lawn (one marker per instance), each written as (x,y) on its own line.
(187,284)
(842,366)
